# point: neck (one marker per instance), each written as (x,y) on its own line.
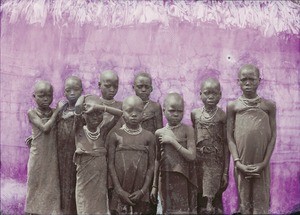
(133,126)
(71,105)
(44,109)
(249,95)
(209,108)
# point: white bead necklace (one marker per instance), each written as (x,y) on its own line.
(209,117)
(108,102)
(132,131)
(91,135)
(173,127)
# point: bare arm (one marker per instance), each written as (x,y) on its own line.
(230,127)
(153,195)
(36,120)
(271,144)
(188,153)
(193,118)
(151,164)
(226,150)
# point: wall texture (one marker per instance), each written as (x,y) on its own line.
(178,47)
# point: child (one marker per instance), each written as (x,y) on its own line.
(251,134)
(131,161)
(66,146)
(212,159)
(90,154)
(109,85)
(174,166)
(152,114)
(43,194)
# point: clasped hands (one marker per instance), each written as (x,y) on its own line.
(130,199)
(250,169)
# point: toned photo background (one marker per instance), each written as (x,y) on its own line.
(178,42)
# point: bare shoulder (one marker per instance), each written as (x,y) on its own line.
(188,128)
(232,105)
(156,105)
(31,113)
(158,132)
(222,114)
(195,111)
(270,104)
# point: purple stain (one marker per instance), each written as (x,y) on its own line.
(179,46)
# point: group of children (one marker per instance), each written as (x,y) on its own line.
(96,155)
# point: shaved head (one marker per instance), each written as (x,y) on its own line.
(108,75)
(173,98)
(249,67)
(144,75)
(211,82)
(133,101)
(74,79)
(43,85)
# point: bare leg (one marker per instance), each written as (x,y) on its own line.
(209,206)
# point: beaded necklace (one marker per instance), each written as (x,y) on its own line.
(209,114)
(173,127)
(132,131)
(91,135)
(108,102)
(44,114)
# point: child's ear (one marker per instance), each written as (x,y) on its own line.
(151,89)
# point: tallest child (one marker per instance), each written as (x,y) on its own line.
(251,133)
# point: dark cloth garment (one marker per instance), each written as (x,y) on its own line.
(252,134)
(43,193)
(67,169)
(131,165)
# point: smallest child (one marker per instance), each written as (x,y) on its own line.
(174,176)
(212,159)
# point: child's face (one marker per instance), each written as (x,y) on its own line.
(132,114)
(73,90)
(109,88)
(93,118)
(249,80)
(43,96)
(173,111)
(210,94)
(142,87)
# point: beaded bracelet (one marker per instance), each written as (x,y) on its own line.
(179,148)
(235,160)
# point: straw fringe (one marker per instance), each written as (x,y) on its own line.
(271,17)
